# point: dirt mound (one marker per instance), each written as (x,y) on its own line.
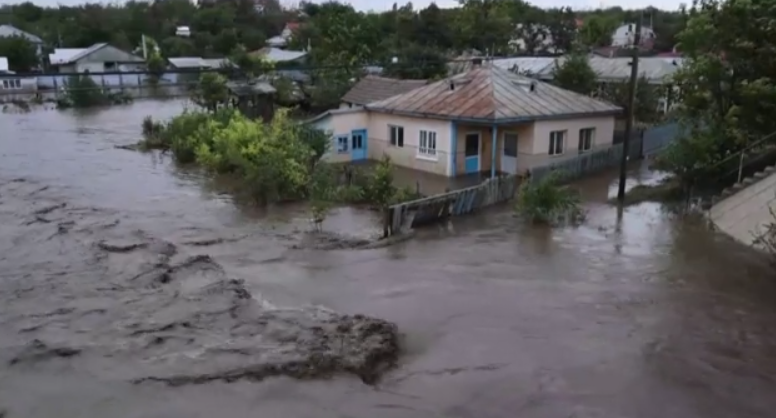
(156,311)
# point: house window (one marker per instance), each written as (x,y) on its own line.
(427,144)
(397,136)
(557,139)
(510,144)
(586,137)
(12,84)
(342,144)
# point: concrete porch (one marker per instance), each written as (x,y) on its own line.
(489,149)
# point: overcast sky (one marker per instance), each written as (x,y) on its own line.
(419,4)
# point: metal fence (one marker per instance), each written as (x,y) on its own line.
(435,208)
(588,163)
(656,138)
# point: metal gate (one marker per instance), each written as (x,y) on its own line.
(656,138)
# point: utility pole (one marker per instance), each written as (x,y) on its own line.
(634,77)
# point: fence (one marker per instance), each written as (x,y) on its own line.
(656,138)
(588,163)
(435,208)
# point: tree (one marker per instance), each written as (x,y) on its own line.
(22,54)
(211,92)
(575,74)
(727,83)
(597,31)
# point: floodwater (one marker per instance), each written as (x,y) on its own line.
(636,314)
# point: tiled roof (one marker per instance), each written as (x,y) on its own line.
(373,88)
(491,94)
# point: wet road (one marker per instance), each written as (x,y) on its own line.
(642,316)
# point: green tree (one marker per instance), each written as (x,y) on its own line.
(574,73)
(22,54)
(212,92)
(597,30)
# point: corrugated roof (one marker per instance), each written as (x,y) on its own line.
(8,30)
(3,65)
(655,69)
(187,62)
(491,94)
(373,88)
(242,88)
(525,65)
(280,55)
(64,55)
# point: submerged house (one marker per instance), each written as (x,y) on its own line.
(485,120)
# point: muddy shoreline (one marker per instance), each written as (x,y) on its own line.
(167,310)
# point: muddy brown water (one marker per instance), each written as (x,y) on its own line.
(116,266)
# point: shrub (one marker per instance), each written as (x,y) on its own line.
(547,201)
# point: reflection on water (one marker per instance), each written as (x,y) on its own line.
(644,315)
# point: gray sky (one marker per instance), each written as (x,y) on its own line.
(419,4)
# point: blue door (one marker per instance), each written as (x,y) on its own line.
(358,145)
(472,153)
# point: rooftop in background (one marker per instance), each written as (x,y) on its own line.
(63,56)
(655,69)
(8,30)
(373,88)
(246,88)
(199,62)
(279,55)
(490,94)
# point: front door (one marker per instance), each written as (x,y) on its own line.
(509,154)
(472,153)
(358,145)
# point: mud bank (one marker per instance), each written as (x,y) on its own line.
(154,310)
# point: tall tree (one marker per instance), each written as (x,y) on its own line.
(22,54)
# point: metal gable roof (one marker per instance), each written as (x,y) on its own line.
(492,94)
(373,88)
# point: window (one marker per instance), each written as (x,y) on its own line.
(342,144)
(397,135)
(12,84)
(586,137)
(427,144)
(557,138)
(510,144)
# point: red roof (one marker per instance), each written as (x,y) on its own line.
(292,26)
(579,22)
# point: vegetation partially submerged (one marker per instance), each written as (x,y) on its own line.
(548,201)
(82,91)
(278,161)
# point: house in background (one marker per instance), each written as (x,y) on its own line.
(624,36)
(8,30)
(484,120)
(282,40)
(98,58)
(282,57)
(374,88)
(11,84)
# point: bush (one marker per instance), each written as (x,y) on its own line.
(548,202)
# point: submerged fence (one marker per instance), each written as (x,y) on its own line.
(589,162)
(407,215)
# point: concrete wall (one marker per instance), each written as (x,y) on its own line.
(745,214)
(341,123)
(603,138)
(408,156)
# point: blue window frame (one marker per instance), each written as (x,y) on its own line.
(342,144)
